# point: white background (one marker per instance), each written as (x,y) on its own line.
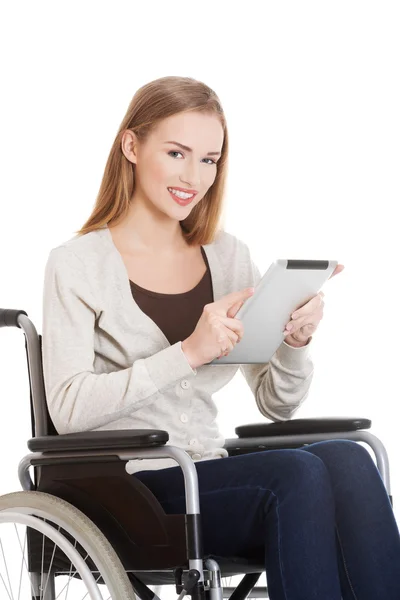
(311,94)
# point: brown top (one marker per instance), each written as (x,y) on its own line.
(176,314)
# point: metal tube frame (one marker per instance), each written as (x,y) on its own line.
(180,456)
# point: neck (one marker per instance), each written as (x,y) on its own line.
(149,232)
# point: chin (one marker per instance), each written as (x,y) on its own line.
(182,211)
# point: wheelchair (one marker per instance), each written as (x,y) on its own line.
(81,541)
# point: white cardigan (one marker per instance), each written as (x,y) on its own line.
(107,365)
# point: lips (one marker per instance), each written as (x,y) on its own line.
(187,191)
(183,201)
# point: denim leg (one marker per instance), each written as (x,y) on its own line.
(367,534)
(277,505)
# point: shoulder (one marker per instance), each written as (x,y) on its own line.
(80,249)
(230,248)
(235,259)
(75,267)
(80,263)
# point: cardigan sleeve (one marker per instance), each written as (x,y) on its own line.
(281,385)
(78,398)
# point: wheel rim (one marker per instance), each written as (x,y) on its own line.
(15,579)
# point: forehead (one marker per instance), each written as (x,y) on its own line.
(194,129)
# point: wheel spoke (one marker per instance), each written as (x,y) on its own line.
(70,575)
(23,555)
(4,583)
(41,570)
(51,564)
(96,582)
(22,565)
(8,576)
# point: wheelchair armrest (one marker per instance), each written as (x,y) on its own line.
(9,317)
(302,426)
(99,440)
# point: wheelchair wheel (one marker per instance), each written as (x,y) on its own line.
(49,549)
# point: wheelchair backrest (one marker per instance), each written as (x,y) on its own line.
(49,428)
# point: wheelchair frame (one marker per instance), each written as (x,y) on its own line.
(132,444)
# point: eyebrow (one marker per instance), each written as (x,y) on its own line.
(190,150)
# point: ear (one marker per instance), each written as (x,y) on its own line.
(129,145)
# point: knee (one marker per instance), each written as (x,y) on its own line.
(302,469)
(342,454)
(300,484)
(346,461)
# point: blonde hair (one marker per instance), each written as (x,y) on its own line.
(153,102)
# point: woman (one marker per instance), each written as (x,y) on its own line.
(137,304)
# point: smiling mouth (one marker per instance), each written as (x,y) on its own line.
(181,198)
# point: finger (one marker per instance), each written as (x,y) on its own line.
(338,269)
(228,301)
(307,308)
(235,325)
(228,347)
(312,319)
(303,334)
(227,339)
(232,312)
(233,339)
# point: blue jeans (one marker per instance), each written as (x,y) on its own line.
(319,516)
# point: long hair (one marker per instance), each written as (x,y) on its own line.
(153,102)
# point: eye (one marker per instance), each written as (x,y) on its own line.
(174,152)
(212,162)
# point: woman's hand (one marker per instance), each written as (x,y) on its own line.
(216,332)
(306,319)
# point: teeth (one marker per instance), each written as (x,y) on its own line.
(180,194)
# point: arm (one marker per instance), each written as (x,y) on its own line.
(281,385)
(79,399)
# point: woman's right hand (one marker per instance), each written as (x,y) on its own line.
(217,331)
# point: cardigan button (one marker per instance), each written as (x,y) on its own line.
(185,384)
(196,456)
(184,418)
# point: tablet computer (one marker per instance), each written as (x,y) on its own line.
(286,286)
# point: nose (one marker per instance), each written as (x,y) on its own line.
(191,175)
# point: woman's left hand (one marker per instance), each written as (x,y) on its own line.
(306,319)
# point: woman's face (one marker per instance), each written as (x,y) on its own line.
(162,164)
